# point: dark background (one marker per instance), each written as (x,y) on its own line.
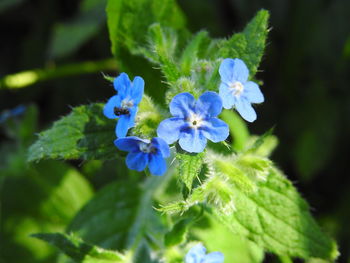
(305,71)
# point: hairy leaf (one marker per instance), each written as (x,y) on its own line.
(163,43)
(278,219)
(254,200)
(248,45)
(190,166)
(80,251)
(84,134)
(128,20)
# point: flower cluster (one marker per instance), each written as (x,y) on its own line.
(197,255)
(193,122)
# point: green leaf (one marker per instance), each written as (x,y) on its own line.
(189,167)
(248,45)
(80,251)
(120,216)
(68,37)
(262,216)
(128,20)
(84,134)
(162,43)
(254,200)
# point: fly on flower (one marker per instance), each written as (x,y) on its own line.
(144,152)
(235,89)
(194,121)
(197,255)
(124,104)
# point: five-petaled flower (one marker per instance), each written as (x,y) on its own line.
(194,121)
(145,152)
(235,89)
(197,255)
(124,104)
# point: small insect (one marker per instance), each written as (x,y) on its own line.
(121,111)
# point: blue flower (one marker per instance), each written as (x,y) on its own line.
(124,104)
(6,114)
(197,255)
(235,89)
(144,152)
(194,121)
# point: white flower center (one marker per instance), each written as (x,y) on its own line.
(236,88)
(146,147)
(126,103)
(195,121)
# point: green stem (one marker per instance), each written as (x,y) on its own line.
(30,77)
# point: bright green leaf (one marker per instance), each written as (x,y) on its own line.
(278,219)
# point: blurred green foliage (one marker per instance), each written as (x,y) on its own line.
(305,82)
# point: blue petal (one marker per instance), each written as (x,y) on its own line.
(122,126)
(209,103)
(157,164)
(129,144)
(108,109)
(137,161)
(228,100)
(253,93)
(162,146)
(132,116)
(214,257)
(196,254)
(215,130)
(137,89)
(169,129)
(245,109)
(122,84)
(182,105)
(232,70)
(192,141)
